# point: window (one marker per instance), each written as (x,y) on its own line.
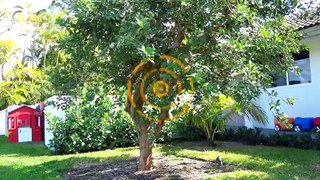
(304,76)
(22,122)
(279,81)
(38,121)
(11,123)
(302,61)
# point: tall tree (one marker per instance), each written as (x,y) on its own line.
(22,85)
(8,51)
(230,47)
(21,82)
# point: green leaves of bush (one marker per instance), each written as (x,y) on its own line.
(180,129)
(94,121)
(254,136)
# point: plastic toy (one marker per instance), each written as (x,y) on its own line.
(316,124)
(305,124)
(280,126)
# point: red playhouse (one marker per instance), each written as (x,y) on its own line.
(25,124)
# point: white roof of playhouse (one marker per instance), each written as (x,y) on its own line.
(60,99)
(15,107)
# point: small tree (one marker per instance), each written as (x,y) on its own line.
(214,112)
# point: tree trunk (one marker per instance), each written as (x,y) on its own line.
(145,159)
(211,140)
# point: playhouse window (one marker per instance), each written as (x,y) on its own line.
(302,61)
(38,121)
(11,123)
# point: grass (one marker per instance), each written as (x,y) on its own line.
(258,162)
(34,161)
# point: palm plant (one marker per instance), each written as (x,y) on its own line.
(214,112)
(23,85)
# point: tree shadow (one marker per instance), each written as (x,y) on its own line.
(53,169)
(22,149)
(274,162)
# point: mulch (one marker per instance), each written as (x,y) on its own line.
(164,167)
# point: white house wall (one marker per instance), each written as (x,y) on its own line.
(3,124)
(307,96)
(53,110)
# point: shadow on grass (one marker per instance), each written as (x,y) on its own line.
(273,162)
(52,169)
(22,149)
(34,160)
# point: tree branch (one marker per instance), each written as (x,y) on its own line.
(177,41)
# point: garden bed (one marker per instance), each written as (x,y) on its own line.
(165,167)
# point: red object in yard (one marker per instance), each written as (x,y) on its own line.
(279,126)
(316,124)
(25,124)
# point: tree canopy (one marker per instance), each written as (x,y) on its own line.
(234,46)
(228,47)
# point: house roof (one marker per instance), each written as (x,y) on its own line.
(304,22)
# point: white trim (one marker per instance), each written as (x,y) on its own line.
(290,86)
(287,78)
(311,31)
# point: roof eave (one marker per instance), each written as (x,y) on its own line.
(310,31)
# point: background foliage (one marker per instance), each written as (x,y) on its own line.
(94,121)
(254,136)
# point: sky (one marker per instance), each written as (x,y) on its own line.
(35,4)
(9,5)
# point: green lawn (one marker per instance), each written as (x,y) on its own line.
(260,162)
(33,161)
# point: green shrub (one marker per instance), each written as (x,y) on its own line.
(93,122)
(227,134)
(301,140)
(254,137)
(180,129)
(243,134)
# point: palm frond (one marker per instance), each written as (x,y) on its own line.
(216,112)
(255,112)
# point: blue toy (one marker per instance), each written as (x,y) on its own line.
(303,124)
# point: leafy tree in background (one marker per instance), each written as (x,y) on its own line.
(7,46)
(229,47)
(41,28)
(22,81)
(8,51)
(44,51)
(22,85)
